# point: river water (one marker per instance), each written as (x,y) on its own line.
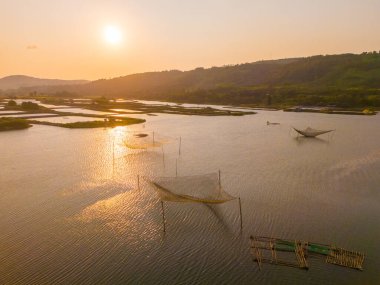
(71,211)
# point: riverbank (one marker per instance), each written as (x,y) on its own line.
(338,111)
(10,124)
(118,107)
(93,124)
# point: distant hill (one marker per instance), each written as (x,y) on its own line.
(19,81)
(337,71)
(151,84)
(343,80)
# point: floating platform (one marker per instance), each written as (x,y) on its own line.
(294,253)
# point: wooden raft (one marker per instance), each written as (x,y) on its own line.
(295,253)
(346,258)
(258,244)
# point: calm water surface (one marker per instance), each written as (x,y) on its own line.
(28,115)
(82,111)
(10,112)
(69,119)
(71,214)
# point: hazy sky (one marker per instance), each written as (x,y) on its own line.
(65,39)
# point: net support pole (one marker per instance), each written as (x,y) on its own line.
(220,182)
(163,155)
(138,182)
(180,144)
(113,158)
(241,219)
(163,215)
(176,168)
(153,138)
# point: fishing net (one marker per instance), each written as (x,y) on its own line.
(204,188)
(144,140)
(309,132)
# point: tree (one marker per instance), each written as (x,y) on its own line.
(12,103)
(269,99)
(29,106)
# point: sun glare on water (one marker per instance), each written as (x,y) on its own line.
(112,35)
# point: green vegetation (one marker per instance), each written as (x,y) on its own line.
(24,106)
(100,100)
(12,103)
(94,124)
(106,106)
(346,81)
(8,124)
(51,100)
(29,106)
(331,111)
(349,81)
(369,111)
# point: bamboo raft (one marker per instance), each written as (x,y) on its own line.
(295,253)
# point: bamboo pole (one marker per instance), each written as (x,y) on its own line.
(220,182)
(163,215)
(163,155)
(257,253)
(113,158)
(176,168)
(180,144)
(138,182)
(272,249)
(241,219)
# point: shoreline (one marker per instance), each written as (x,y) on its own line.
(141,107)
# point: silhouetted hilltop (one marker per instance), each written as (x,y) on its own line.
(19,81)
(342,71)
(341,80)
(154,83)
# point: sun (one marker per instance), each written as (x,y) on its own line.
(112,35)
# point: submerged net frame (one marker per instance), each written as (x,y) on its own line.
(205,188)
(142,140)
(138,142)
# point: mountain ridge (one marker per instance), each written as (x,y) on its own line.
(341,80)
(20,81)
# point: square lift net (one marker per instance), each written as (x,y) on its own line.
(142,140)
(205,188)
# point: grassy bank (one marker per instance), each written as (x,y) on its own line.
(365,112)
(93,124)
(141,108)
(9,124)
(106,105)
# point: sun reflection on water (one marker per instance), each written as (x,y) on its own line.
(125,214)
(110,195)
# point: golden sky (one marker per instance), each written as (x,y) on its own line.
(67,40)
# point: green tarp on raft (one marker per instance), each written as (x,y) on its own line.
(283,245)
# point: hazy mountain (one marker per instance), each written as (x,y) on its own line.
(335,71)
(154,83)
(344,80)
(19,81)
